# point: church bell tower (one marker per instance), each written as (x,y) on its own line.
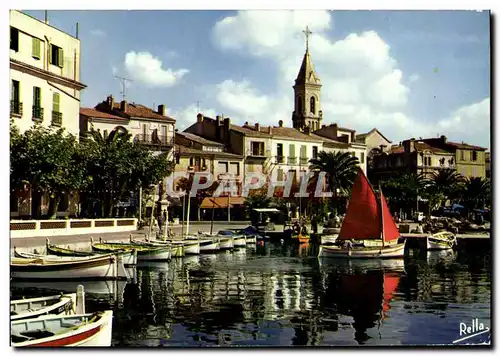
(307,94)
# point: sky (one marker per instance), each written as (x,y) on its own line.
(407,73)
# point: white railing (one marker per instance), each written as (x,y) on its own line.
(33,228)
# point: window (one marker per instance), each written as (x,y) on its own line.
(462,155)
(177,158)
(14,39)
(291,150)
(280,174)
(55,103)
(37,97)
(279,153)
(299,104)
(14,93)
(258,148)
(315,152)
(35,48)
(234,168)
(56,55)
(362,157)
(474,155)
(191,161)
(303,154)
(222,167)
(313,105)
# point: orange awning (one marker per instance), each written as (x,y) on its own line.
(221,202)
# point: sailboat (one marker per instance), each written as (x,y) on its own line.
(368,230)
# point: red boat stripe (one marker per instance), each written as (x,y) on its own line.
(67,341)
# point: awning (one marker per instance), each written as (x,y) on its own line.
(221,202)
(267,210)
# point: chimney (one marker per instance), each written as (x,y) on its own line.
(199,117)
(270,130)
(443,139)
(307,130)
(409,145)
(123,106)
(161,110)
(217,119)
(323,126)
(353,136)
(257,126)
(227,126)
(246,123)
(280,123)
(111,101)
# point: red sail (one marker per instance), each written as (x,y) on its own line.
(363,220)
(391,231)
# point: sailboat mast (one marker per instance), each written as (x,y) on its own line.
(381,215)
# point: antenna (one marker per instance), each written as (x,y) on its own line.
(123,80)
(198,106)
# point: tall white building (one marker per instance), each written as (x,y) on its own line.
(44,75)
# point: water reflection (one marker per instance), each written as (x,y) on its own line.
(282,295)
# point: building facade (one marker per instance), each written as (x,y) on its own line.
(44,75)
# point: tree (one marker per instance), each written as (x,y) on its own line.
(340,167)
(476,192)
(118,167)
(49,160)
(446,182)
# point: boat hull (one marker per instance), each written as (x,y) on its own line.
(96,333)
(226,243)
(35,307)
(209,246)
(239,241)
(106,267)
(328,239)
(441,241)
(191,248)
(392,251)
(250,240)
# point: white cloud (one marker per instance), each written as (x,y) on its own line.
(144,68)
(413,78)
(362,84)
(97,32)
(187,116)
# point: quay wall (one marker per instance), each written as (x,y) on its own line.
(35,228)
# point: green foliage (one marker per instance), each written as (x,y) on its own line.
(340,167)
(477,193)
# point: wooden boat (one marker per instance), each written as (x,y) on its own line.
(55,331)
(109,266)
(35,307)
(329,239)
(144,252)
(369,222)
(239,241)
(129,257)
(443,240)
(176,250)
(225,242)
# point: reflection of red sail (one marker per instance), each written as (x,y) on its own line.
(363,220)
(390,285)
(391,231)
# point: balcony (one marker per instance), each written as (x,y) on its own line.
(259,154)
(37,113)
(304,160)
(280,159)
(16,108)
(155,140)
(56,118)
(227,176)
(292,160)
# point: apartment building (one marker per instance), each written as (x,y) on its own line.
(44,75)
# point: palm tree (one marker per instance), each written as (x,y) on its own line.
(446,182)
(477,192)
(340,167)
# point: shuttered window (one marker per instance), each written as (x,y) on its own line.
(35,49)
(37,97)
(55,102)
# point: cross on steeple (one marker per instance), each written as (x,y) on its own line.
(307,33)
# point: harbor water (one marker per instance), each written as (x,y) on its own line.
(275,294)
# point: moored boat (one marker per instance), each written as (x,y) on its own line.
(443,240)
(109,266)
(144,252)
(368,230)
(328,239)
(55,331)
(225,242)
(35,307)
(209,246)
(250,239)
(239,241)
(129,256)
